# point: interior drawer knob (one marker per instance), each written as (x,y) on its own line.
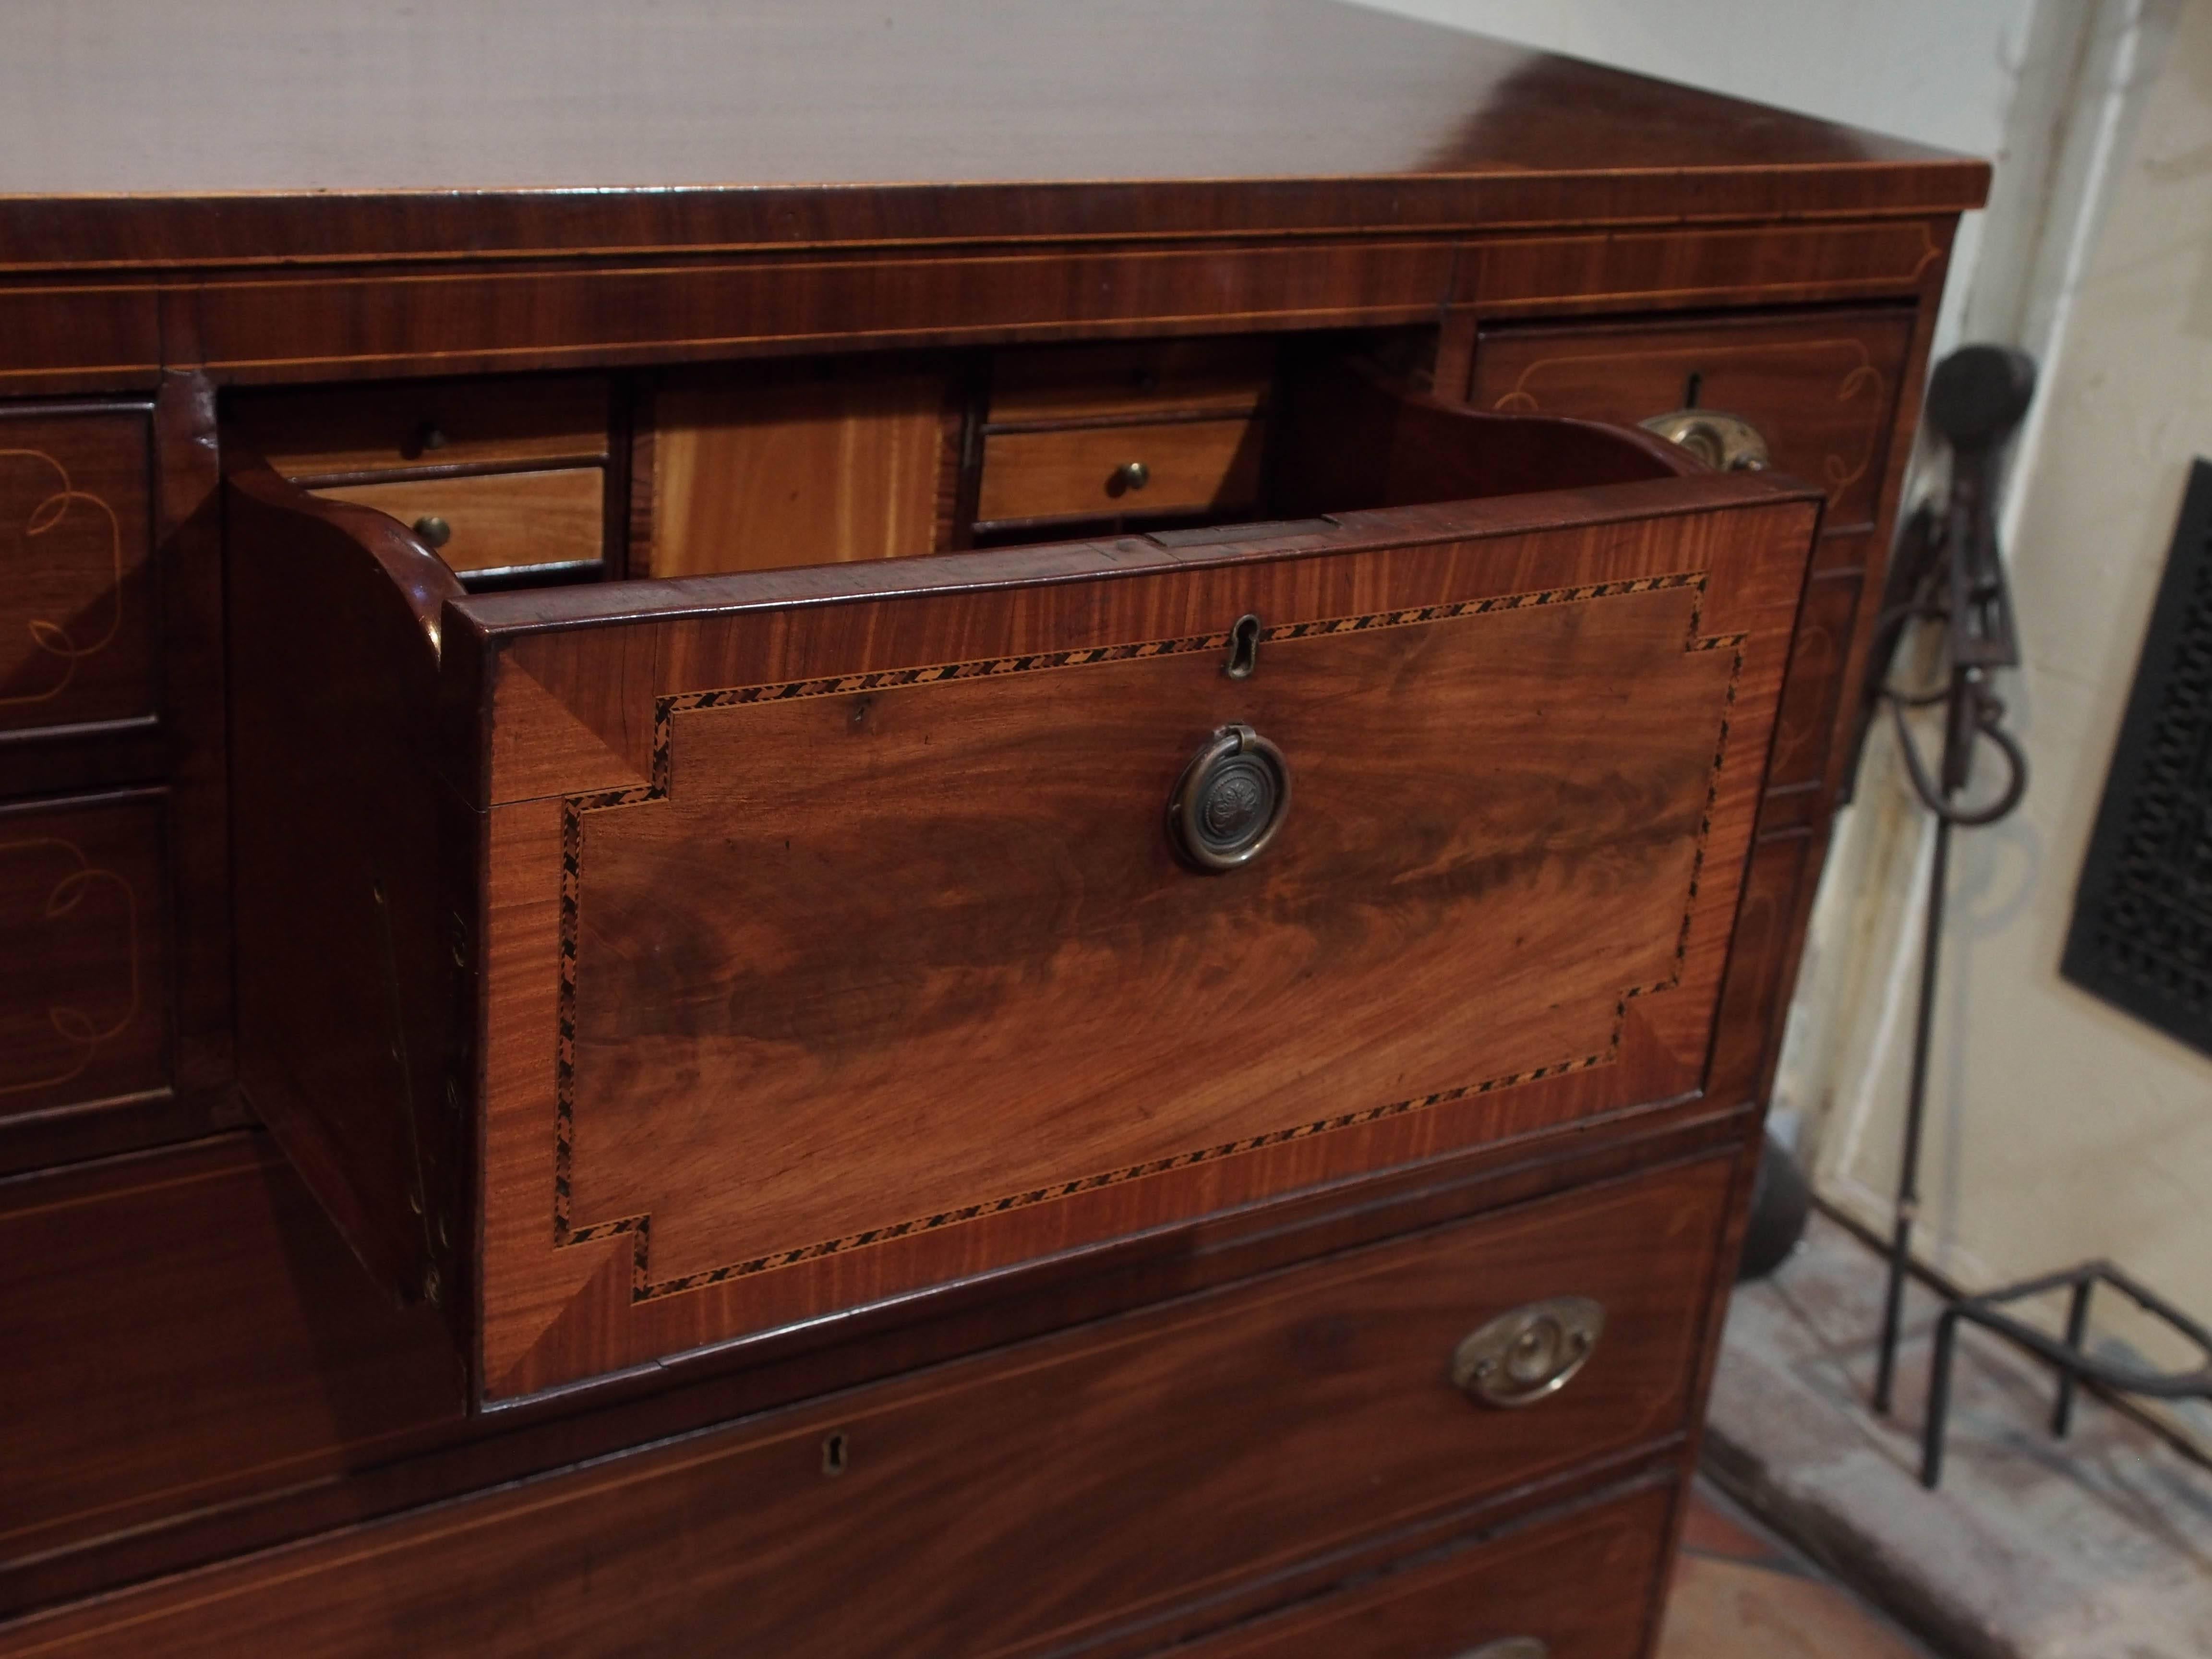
(1130,475)
(1511,1647)
(1229,800)
(434,530)
(1727,441)
(1521,1357)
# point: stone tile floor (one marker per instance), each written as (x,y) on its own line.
(2098,1546)
(1741,1593)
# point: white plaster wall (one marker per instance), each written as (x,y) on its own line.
(2060,1129)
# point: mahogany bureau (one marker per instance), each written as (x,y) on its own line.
(954,829)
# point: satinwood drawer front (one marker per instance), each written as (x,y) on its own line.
(1091,472)
(850,931)
(77,601)
(496,520)
(1583,1585)
(84,956)
(1011,1504)
(1820,388)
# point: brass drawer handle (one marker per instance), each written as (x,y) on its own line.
(1511,1647)
(434,530)
(1129,476)
(1524,1356)
(1727,441)
(1229,800)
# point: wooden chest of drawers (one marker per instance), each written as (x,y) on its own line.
(815,878)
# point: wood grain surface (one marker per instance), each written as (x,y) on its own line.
(325,435)
(1821,389)
(499,520)
(79,607)
(1537,1582)
(1140,116)
(1011,1503)
(1211,466)
(87,1004)
(827,464)
(954,915)
(1131,381)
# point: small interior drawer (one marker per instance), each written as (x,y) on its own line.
(333,432)
(1578,1586)
(1820,387)
(1132,380)
(1015,1503)
(1092,472)
(496,520)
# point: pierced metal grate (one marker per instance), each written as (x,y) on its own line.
(2142,935)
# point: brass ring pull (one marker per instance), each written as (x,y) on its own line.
(1727,441)
(1229,800)
(1530,1353)
(1511,1647)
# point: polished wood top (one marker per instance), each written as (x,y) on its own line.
(134,131)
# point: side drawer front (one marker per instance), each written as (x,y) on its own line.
(84,953)
(1821,389)
(77,606)
(1584,1585)
(1009,1503)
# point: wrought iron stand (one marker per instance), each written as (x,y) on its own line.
(1947,572)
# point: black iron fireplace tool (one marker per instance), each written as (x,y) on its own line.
(1948,573)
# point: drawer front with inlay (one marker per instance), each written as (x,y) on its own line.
(84,953)
(1821,390)
(77,602)
(1009,1503)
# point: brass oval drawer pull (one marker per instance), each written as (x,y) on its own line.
(1229,800)
(1129,476)
(1727,441)
(434,530)
(1520,1357)
(1511,1647)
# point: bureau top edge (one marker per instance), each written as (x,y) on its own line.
(281,130)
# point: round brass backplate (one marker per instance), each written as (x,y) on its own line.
(1229,800)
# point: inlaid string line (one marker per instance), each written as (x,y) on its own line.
(644,1288)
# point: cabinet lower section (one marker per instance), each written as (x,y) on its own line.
(1140,1477)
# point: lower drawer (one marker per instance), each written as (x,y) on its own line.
(1578,1586)
(1007,1504)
